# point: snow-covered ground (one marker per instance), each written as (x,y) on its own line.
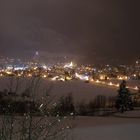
(106,128)
(79,89)
(117,127)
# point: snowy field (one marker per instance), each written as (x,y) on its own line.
(87,128)
(79,89)
(106,128)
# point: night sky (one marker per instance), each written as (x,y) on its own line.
(89,31)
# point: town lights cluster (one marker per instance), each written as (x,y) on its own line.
(71,71)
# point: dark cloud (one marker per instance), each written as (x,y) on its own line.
(89,29)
